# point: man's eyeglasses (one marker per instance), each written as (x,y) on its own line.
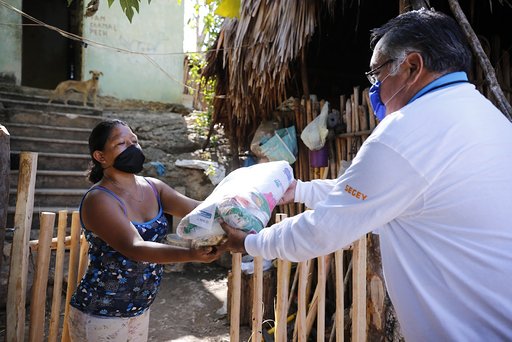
(371,74)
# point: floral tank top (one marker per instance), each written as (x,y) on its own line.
(114,286)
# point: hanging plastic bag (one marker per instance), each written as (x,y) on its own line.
(281,146)
(315,133)
(264,132)
(244,199)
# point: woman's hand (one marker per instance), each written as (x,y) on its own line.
(206,253)
(289,194)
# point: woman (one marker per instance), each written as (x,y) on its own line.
(123,219)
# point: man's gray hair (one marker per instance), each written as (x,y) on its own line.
(434,35)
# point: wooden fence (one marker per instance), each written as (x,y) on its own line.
(347,266)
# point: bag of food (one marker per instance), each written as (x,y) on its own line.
(244,199)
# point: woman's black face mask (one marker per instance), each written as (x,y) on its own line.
(130,160)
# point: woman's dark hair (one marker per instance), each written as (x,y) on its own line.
(434,35)
(97,140)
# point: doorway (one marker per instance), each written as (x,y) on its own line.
(47,57)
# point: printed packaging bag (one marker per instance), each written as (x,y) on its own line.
(244,199)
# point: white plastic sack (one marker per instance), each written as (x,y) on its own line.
(315,133)
(244,199)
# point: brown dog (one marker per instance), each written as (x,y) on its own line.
(86,88)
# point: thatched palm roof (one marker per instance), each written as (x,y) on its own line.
(257,55)
(253,56)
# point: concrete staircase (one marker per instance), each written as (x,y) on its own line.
(58,133)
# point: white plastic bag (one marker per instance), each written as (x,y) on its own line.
(244,199)
(315,133)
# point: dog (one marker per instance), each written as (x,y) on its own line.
(86,88)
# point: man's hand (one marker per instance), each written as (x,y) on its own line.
(289,194)
(235,239)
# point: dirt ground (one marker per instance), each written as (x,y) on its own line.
(192,306)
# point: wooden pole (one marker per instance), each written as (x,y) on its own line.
(359,291)
(340,293)
(236,269)
(483,60)
(283,283)
(72,269)
(257,299)
(38,301)
(15,329)
(59,274)
(5,167)
(300,323)
(320,317)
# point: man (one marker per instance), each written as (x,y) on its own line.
(435,179)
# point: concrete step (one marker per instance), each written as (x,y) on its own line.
(45,131)
(42,96)
(21,143)
(49,107)
(54,179)
(55,161)
(52,197)
(39,117)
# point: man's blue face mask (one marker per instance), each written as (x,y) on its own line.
(379,108)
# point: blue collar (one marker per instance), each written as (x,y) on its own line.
(442,82)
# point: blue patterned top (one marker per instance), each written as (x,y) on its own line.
(113,285)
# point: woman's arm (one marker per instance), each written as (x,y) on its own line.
(105,217)
(173,202)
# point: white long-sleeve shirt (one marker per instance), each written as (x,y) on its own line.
(435,179)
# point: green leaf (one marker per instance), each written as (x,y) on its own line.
(110,2)
(228,8)
(135,4)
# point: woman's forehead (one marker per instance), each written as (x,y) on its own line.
(120,131)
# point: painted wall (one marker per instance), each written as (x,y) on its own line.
(10,43)
(156,29)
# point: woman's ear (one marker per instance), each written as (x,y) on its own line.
(98,156)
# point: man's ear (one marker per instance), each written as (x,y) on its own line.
(414,64)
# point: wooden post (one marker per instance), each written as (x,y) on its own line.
(59,273)
(5,166)
(236,269)
(72,269)
(15,330)
(359,291)
(257,299)
(38,301)
(283,283)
